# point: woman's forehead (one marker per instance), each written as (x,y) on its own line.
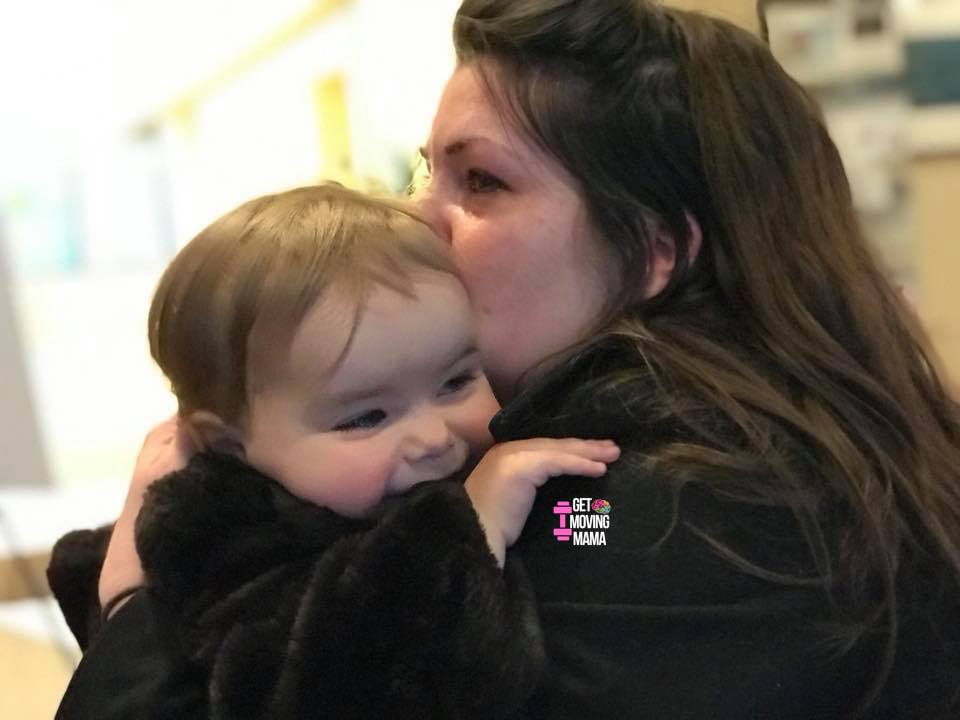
(467,112)
(469,123)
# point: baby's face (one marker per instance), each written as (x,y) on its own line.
(346,421)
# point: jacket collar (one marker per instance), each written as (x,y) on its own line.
(570,398)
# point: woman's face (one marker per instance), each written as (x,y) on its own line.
(537,275)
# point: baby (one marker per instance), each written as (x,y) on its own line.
(346,513)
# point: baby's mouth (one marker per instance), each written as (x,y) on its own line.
(444,465)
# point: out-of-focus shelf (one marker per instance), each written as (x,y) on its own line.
(31,521)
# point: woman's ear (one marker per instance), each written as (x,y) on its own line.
(664,256)
(209,432)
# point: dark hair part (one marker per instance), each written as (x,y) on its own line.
(228,304)
(784,320)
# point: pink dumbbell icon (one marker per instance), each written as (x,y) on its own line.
(562,509)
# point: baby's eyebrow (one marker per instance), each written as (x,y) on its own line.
(461,352)
(349,397)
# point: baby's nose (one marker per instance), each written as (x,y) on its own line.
(430,436)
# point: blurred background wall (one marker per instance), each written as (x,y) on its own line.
(126,126)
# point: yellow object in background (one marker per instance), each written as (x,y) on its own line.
(333,130)
(34,677)
(740,12)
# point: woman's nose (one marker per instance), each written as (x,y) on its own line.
(432,207)
(428,436)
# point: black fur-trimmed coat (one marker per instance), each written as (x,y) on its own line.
(280,609)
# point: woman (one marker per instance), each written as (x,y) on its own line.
(657,234)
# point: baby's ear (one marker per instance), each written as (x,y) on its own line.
(209,432)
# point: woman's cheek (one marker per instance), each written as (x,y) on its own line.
(478,239)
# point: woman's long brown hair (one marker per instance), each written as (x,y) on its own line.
(784,322)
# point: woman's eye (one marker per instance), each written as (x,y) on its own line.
(479,181)
(367,421)
(457,383)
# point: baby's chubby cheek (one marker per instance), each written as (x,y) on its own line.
(358,493)
(349,484)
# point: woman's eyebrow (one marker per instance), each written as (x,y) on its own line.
(457,146)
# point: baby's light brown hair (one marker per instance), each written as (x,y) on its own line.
(233,297)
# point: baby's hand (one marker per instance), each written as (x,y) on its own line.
(503,485)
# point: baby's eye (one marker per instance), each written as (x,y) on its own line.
(458,383)
(367,421)
(480,181)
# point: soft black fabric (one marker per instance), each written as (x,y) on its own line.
(131,670)
(280,609)
(73,574)
(655,624)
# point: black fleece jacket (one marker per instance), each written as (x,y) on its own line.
(279,609)
(643,612)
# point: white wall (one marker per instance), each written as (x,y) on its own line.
(22,461)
